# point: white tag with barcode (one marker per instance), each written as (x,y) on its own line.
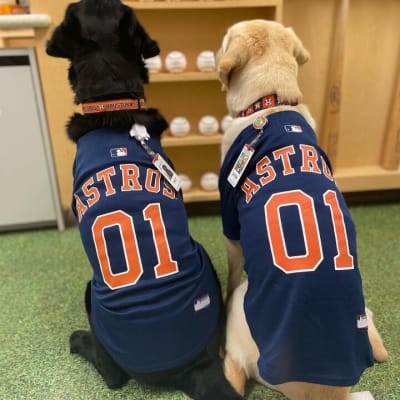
(240,165)
(167,172)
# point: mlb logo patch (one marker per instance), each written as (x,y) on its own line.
(202,302)
(362,321)
(119,152)
(293,128)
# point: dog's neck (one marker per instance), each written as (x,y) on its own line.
(265,102)
(240,123)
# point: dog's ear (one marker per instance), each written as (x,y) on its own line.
(232,56)
(133,31)
(62,42)
(299,51)
(149,46)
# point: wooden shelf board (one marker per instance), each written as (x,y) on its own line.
(191,139)
(373,177)
(185,4)
(197,195)
(17,33)
(182,76)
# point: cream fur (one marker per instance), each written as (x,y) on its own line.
(259,58)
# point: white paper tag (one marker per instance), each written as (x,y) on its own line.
(167,172)
(240,164)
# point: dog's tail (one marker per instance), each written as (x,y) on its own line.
(378,348)
(208,382)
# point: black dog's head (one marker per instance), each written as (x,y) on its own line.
(106,45)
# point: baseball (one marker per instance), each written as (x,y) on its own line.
(208,125)
(209,181)
(186,183)
(179,126)
(226,122)
(175,61)
(153,64)
(206,61)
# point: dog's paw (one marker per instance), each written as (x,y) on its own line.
(79,340)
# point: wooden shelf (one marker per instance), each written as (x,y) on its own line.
(182,76)
(200,195)
(191,139)
(357,179)
(208,4)
(19,36)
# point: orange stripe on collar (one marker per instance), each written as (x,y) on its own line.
(113,105)
(265,102)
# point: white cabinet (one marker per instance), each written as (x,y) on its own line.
(29,194)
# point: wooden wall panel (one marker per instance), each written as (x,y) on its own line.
(369,77)
(312,21)
(369,80)
(58,97)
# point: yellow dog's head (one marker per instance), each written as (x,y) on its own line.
(257,58)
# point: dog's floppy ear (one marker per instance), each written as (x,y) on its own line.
(232,55)
(149,46)
(136,35)
(62,42)
(299,51)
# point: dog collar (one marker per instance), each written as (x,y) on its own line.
(265,102)
(113,105)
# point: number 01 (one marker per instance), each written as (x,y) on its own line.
(134,269)
(311,236)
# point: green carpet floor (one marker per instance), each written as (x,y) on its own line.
(43,275)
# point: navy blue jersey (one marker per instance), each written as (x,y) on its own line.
(304,304)
(155,296)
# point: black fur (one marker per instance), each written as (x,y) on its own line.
(202,378)
(106,44)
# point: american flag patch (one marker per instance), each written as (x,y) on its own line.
(293,128)
(119,152)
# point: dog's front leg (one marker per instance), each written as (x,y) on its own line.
(235,265)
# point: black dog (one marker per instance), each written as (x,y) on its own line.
(154,302)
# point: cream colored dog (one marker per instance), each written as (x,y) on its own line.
(299,324)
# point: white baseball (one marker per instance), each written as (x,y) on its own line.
(153,64)
(209,181)
(206,61)
(226,122)
(208,125)
(186,182)
(179,126)
(175,61)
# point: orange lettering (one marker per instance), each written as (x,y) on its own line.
(284,154)
(130,176)
(92,193)
(310,159)
(105,175)
(263,167)
(168,190)
(80,207)
(249,188)
(153,179)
